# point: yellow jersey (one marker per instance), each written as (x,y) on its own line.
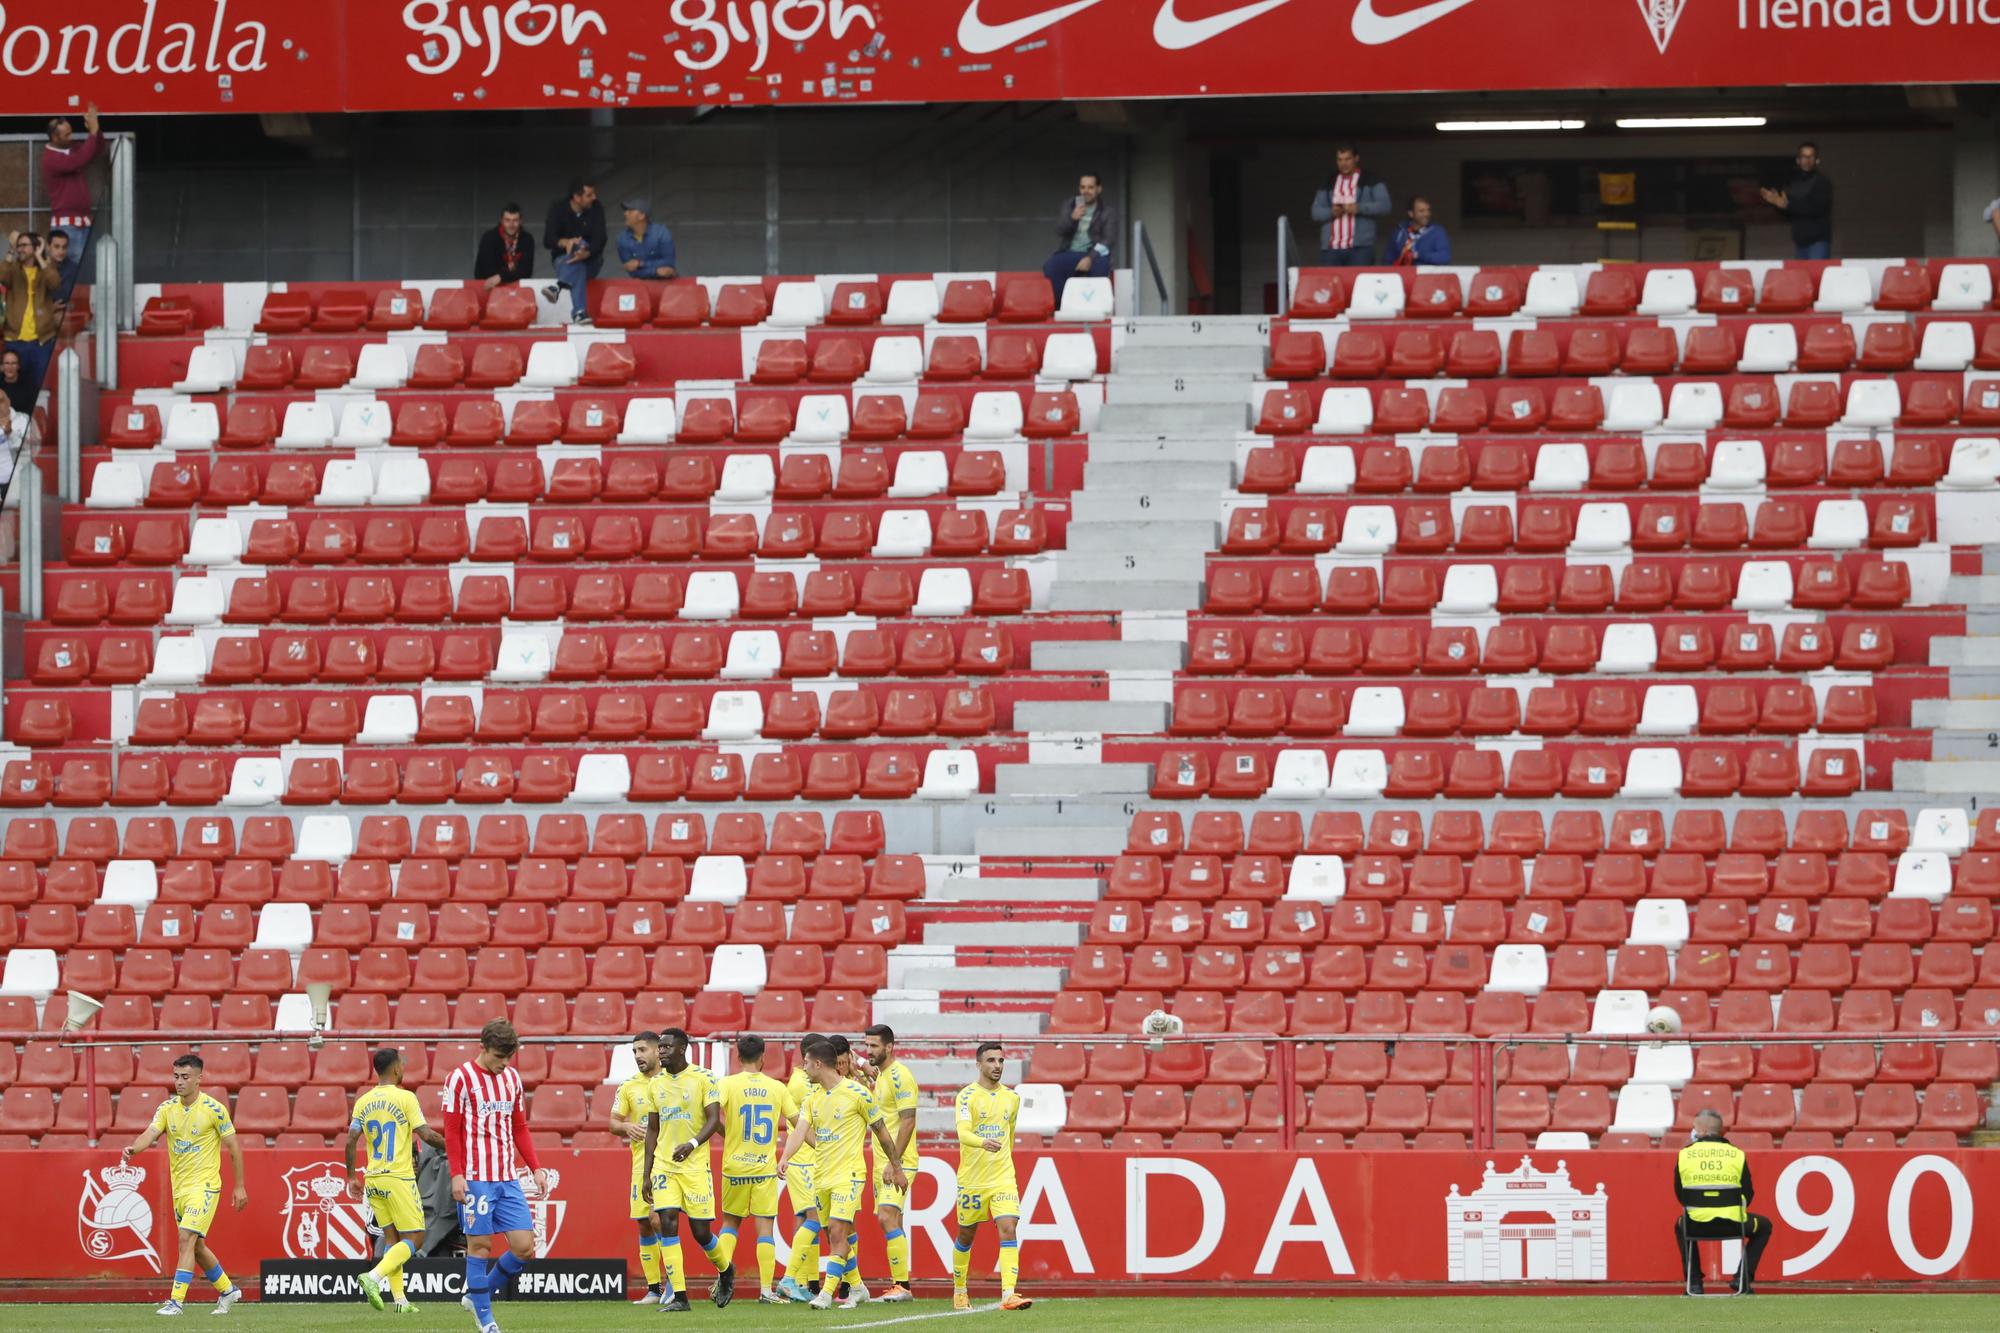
(895,1093)
(682,1101)
(194,1136)
(841,1116)
(800,1088)
(635,1102)
(984,1115)
(755,1108)
(389,1117)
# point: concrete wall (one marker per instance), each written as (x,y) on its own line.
(860,191)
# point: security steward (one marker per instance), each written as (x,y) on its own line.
(1712,1182)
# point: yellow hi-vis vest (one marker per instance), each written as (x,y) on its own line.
(1713,1166)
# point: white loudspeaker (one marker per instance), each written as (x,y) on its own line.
(81,1010)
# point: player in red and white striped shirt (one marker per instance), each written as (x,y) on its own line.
(485,1125)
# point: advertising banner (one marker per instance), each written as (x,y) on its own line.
(1326,1219)
(334,1280)
(407,55)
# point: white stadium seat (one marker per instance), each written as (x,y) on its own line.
(1694,405)
(1519,969)
(215,541)
(754,654)
(551,365)
(403,480)
(1069,356)
(1634,407)
(711,595)
(1300,775)
(345,482)
(1376,296)
(1084,300)
(797,305)
(747,478)
(1948,346)
(1345,412)
(1737,465)
(1316,879)
(390,719)
(1328,469)
(897,359)
(1768,349)
(192,426)
(1844,289)
(1964,287)
(1552,293)
(734,715)
(1668,291)
(523,658)
(903,532)
(943,592)
(1375,710)
(602,778)
(380,366)
(1872,405)
(920,472)
(911,301)
(1560,467)
(116,486)
(949,775)
(308,425)
(648,421)
(210,369)
(996,415)
(365,424)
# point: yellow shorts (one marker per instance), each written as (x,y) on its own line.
(887,1195)
(395,1203)
(693,1195)
(983,1205)
(642,1206)
(752,1196)
(195,1206)
(840,1198)
(799,1186)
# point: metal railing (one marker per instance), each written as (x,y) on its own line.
(1285,1050)
(1142,248)
(1284,265)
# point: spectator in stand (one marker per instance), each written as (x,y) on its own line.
(1347,209)
(31,285)
(575,237)
(1993,217)
(61,260)
(14,387)
(506,253)
(64,164)
(1808,203)
(1087,228)
(645,250)
(1418,240)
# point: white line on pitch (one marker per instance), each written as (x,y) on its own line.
(914,1318)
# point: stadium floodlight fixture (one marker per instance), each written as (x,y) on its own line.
(1505,126)
(1692,122)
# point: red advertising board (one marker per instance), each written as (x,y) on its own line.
(358,55)
(1330,1219)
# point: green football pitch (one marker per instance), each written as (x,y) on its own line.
(1531,1314)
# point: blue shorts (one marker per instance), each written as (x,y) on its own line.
(493,1206)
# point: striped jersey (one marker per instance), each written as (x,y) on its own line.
(487,1102)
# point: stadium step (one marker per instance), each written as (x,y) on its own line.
(1109,655)
(1153,476)
(1037,889)
(916,1018)
(1121,527)
(1948,778)
(1126,506)
(1983,651)
(1176,392)
(1176,420)
(1100,718)
(1147,595)
(1167,359)
(1209,332)
(1040,934)
(1072,779)
(1106,840)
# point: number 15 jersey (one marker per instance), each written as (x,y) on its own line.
(755,1108)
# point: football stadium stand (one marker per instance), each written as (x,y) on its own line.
(1475,651)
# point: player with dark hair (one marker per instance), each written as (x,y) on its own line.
(839,1118)
(798,1178)
(986,1114)
(896,1094)
(630,1110)
(486,1139)
(197,1127)
(687,1113)
(755,1111)
(389,1115)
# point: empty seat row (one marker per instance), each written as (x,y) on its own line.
(1613,465)
(1558,291)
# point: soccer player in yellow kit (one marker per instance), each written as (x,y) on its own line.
(755,1110)
(986,1116)
(389,1115)
(839,1117)
(896,1094)
(687,1112)
(196,1127)
(630,1111)
(797,1175)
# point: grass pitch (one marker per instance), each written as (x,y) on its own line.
(1526,1313)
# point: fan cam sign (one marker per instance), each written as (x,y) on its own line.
(133,56)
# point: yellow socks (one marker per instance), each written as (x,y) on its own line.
(767,1258)
(670,1264)
(649,1259)
(218,1279)
(1010,1266)
(961,1266)
(182,1277)
(898,1246)
(805,1252)
(723,1252)
(396,1287)
(392,1260)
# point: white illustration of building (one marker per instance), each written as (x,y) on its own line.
(1526,1225)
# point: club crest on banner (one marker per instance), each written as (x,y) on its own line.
(320,1221)
(1526,1224)
(1662,17)
(113,1219)
(548,1211)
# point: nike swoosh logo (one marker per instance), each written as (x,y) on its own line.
(976,37)
(1175,33)
(1373,29)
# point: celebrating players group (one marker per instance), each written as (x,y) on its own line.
(806,1137)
